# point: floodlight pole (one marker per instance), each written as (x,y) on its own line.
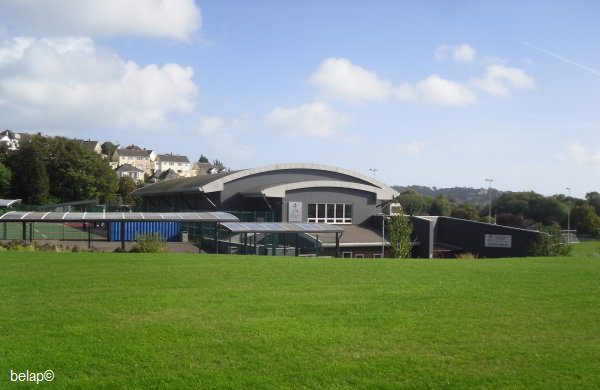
(490,205)
(373,170)
(569,218)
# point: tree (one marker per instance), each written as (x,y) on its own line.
(126,186)
(466,211)
(593,199)
(399,229)
(60,170)
(414,203)
(585,220)
(440,206)
(108,148)
(203,159)
(218,163)
(5,178)
(32,184)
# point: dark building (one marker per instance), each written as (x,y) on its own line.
(313,193)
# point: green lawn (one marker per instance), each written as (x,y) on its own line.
(245,322)
(587,249)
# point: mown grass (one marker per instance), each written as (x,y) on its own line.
(587,249)
(202,321)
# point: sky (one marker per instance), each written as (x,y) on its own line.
(435,93)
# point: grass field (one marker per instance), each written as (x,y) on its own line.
(587,249)
(237,322)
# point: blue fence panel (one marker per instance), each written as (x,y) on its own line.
(169,231)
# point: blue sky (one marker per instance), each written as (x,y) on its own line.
(437,93)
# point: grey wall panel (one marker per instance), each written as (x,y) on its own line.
(363,203)
(423,232)
(470,236)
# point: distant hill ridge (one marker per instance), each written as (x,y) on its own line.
(455,194)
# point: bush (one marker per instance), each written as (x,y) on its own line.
(550,243)
(467,256)
(149,243)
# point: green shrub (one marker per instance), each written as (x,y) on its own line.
(550,243)
(149,243)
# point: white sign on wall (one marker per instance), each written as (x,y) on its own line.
(498,240)
(295,212)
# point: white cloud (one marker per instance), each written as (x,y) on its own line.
(176,19)
(437,90)
(339,79)
(459,53)
(317,119)
(70,82)
(578,153)
(412,148)
(499,79)
(434,89)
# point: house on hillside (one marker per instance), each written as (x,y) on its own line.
(199,169)
(10,138)
(139,158)
(169,174)
(94,145)
(179,164)
(128,170)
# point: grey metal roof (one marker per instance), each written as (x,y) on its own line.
(128,168)
(181,185)
(133,152)
(34,216)
(280,227)
(9,202)
(172,158)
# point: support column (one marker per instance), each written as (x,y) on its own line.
(255,244)
(123,235)
(317,245)
(217,238)
(297,244)
(24,231)
(31,231)
(273,244)
(245,243)
(89,235)
(337,244)
(284,245)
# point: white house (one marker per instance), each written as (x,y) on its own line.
(10,138)
(179,164)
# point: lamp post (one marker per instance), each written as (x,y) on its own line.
(490,205)
(569,217)
(373,170)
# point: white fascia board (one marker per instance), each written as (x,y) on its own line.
(279,191)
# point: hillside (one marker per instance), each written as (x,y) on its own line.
(478,196)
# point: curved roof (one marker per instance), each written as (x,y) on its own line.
(216,182)
(181,185)
(36,216)
(279,190)
(217,185)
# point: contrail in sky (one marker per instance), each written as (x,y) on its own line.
(568,61)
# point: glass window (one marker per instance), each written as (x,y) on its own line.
(339,211)
(321,210)
(348,213)
(330,211)
(312,210)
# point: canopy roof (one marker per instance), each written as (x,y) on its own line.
(280,227)
(31,216)
(9,202)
